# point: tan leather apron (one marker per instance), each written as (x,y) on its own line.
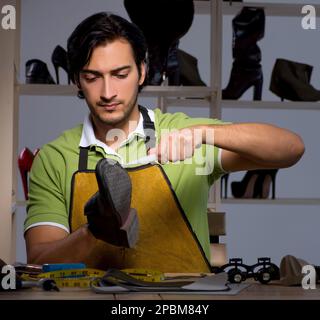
(166,240)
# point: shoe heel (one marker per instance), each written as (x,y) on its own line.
(273,180)
(129,232)
(224,179)
(257,90)
(56,69)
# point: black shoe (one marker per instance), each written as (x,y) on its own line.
(241,79)
(189,72)
(163,23)
(291,80)
(59,59)
(109,214)
(266,179)
(246,187)
(255,184)
(37,72)
(248,28)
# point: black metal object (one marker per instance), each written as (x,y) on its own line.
(263,271)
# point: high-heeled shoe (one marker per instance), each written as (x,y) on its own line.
(246,187)
(291,80)
(59,59)
(241,79)
(37,72)
(224,186)
(265,179)
(248,28)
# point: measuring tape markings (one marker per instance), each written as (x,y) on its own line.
(83,277)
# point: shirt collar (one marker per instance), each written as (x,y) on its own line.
(88,137)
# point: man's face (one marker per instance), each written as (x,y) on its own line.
(110,83)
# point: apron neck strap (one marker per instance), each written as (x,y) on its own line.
(83,158)
(148,127)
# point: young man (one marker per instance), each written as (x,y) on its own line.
(107,62)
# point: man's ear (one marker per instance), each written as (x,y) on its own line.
(143,72)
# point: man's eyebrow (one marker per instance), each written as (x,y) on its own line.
(120,69)
(98,73)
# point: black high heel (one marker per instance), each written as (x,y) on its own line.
(242,79)
(246,187)
(37,72)
(266,179)
(59,59)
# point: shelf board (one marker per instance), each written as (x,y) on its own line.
(271,9)
(20,203)
(177,91)
(179,96)
(201,7)
(287,105)
(279,201)
(46,90)
(243,104)
(148,91)
(187,102)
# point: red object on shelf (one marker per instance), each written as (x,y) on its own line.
(25,161)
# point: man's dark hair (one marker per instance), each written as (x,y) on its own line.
(100,29)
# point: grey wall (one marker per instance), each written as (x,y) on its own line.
(252,230)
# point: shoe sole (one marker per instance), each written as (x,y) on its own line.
(115,193)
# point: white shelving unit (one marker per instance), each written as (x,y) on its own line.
(178,96)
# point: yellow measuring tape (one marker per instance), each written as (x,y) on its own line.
(82,278)
(145,274)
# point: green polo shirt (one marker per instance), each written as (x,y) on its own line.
(55,164)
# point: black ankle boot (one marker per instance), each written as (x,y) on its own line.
(248,28)
(37,72)
(291,80)
(189,72)
(59,59)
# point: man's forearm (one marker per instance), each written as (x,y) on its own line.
(262,143)
(73,248)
